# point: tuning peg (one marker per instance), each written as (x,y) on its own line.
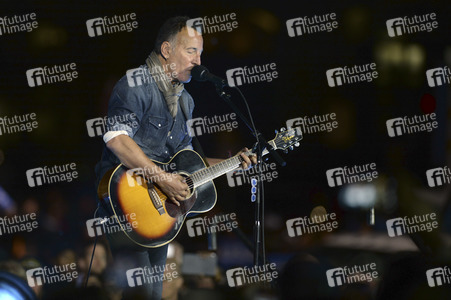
(297,144)
(291,147)
(283,129)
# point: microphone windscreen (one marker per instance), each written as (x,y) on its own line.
(198,73)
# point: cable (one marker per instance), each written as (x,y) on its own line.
(93,250)
(248,110)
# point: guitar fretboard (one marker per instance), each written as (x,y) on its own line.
(204,175)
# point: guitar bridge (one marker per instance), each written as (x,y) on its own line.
(155,198)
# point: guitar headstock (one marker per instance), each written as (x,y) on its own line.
(286,139)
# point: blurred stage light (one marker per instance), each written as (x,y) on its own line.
(171,251)
(356,23)
(48,36)
(318,211)
(265,21)
(396,54)
(389,53)
(414,57)
(7,204)
(358,196)
(14,288)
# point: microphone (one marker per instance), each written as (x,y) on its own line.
(201,73)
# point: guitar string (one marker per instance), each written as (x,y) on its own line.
(227,164)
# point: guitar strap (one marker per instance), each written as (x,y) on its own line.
(194,141)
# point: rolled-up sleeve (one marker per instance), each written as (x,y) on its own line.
(125,110)
(109,135)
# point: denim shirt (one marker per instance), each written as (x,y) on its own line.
(142,112)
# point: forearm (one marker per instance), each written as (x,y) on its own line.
(131,155)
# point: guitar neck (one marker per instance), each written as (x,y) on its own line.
(204,175)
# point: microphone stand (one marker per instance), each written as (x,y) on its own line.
(259,249)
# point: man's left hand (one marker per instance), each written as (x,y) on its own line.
(248,160)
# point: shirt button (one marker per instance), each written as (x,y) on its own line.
(159,125)
(170,137)
(165,151)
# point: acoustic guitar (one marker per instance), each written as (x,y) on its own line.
(136,201)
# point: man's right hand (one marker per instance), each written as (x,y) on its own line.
(174,186)
(131,155)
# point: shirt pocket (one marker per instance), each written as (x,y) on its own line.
(158,128)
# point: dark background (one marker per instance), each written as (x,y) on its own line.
(301,89)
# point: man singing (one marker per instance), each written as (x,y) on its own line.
(161,132)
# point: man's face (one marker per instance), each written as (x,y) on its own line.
(185,55)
